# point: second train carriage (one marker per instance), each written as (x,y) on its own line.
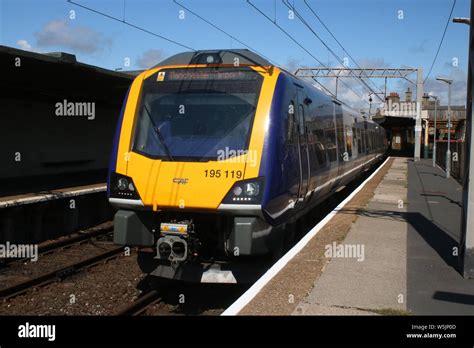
(218,152)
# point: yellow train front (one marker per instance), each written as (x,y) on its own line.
(210,165)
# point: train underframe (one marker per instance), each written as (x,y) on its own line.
(200,247)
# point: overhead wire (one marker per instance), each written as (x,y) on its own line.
(123,21)
(300,17)
(340,44)
(441,41)
(219,29)
(300,45)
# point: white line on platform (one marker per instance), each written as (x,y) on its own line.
(247,296)
(51,195)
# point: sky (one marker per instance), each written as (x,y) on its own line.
(375,33)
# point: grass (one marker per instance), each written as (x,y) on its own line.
(391,311)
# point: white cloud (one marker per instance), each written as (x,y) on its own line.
(76,38)
(371,63)
(24,45)
(292,64)
(440,89)
(458,87)
(150,58)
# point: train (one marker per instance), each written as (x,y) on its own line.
(218,153)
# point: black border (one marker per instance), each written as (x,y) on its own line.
(175,330)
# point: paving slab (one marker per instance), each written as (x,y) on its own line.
(376,281)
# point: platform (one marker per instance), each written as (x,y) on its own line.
(391,250)
(43,215)
(42,196)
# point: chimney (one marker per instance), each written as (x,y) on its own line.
(408,95)
(394,97)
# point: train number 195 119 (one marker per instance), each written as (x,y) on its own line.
(217,173)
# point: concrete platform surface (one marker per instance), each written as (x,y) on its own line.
(407,238)
(377,280)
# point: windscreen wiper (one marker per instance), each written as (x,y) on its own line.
(158,134)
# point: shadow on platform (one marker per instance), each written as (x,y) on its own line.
(437,239)
(454,297)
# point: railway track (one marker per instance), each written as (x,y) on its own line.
(140,305)
(65,242)
(58,260)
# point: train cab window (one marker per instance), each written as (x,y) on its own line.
(191,113)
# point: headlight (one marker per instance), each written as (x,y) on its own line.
(122,184)
(237,190)
(251,189)
(245,192)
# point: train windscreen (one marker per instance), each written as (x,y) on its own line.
(193,114)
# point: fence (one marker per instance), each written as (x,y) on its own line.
(457,152)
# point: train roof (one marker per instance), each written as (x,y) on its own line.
(227,56)
(219,56)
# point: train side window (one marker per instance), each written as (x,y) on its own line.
(366,140)
(301,119)
(369,140)
(359,141)
(330,133)
(349,141)
(354,137)
(319,141)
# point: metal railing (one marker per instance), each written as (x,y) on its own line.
(457,152)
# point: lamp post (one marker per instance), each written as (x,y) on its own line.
(466,243)
(448,151)
(370,105)
(435,129)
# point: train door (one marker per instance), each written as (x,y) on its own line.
(303,145)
